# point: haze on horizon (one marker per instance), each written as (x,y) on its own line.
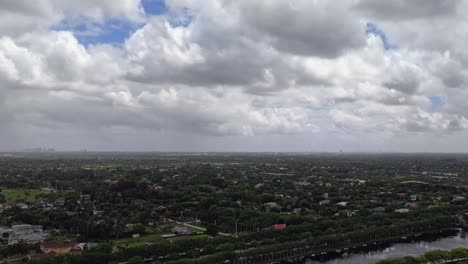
(225,75)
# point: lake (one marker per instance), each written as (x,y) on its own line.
(412,247)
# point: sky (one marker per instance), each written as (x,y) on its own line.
(234,75)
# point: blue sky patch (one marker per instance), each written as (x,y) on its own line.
(437,102)
(154,7)
(372,29)
(113,31)
(181,18)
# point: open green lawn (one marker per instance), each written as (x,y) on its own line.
(191,237)
(12,195)
(140,241)
(135,242)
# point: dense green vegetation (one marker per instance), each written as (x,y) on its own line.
(436,256)
(125,203)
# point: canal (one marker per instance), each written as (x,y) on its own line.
(409,247)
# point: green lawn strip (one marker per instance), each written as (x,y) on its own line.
(187,237)
(12,195)
(135,242)
(194,230)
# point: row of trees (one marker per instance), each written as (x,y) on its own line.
(211,250)
(355,238)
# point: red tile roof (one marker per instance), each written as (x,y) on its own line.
(279,226)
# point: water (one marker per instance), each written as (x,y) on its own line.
(403,249)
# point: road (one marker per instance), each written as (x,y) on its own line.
(202,228)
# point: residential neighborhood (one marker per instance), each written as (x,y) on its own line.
(125,204)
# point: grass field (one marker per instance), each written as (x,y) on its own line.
(12,195)
(135,242)
(140,241)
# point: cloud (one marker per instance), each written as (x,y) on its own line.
(403,78)
(99,10)
(241,75)
(17,17)
(408,10)
(452,74)
(162,53)
(303,27)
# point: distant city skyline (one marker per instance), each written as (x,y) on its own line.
(216,75)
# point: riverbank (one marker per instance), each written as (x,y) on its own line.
(411,246)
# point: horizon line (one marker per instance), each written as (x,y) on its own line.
(46,151)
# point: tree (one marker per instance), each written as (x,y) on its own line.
(139,229)
(136,260)
(436,255)
(458,253)
(212,230)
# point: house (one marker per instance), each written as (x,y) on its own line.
(30,234)
(297,210)
(168,235)
(85,198)
(275,227)
(181,230)
(343,204)
(39,204)
(458,199)
(59,248)
(324,202)
(161,208)
(156,187)
(271,205)
(301,184)
(278,226)
(87,245)
(60,202)
(402,210)
(98,213)
(171,221)
(346,213)
(48,189)
(402,195)
(22,206)
(378,210)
